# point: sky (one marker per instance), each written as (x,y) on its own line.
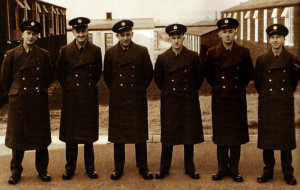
(162,11)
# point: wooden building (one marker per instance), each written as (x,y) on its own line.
(52,18)
(101,34)
(256,15)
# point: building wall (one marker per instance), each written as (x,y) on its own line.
(259,47)
(141,37)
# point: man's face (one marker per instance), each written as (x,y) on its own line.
(29,37)
(227,35)
(81,35)
(276,41)
(125,38)
(176,41)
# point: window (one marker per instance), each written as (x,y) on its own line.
(274,15)
(255,17)
(57,21)
(45,21)
(235,15)
(229,15)
(265,25)
(224,15)
(247,16)
(242,25)
(288,14)
(108,40)
(51,20)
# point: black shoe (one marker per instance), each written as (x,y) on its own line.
(14,179)
(264,178)
(92,174)
(68,175)
(117,174)
(290,179)
(193,174)
(44,176)
(237,178)
(146,174)
(218,176)
(161,174)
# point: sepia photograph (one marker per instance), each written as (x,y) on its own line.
(150,94)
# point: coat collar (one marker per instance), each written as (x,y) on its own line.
(36,53)
(228,59)
(129,56)
(73,54)
(177,62)
(272,62)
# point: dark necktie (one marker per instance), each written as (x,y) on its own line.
(228,50)
(276,56)
(81,49)
(125,50)
(29,52)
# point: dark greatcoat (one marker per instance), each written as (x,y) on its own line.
(26,78)
(128,74)
(229,73)
(276,81)
(179,78)
(78,74)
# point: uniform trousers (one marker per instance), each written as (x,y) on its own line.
(286,162)
(72,153)
(140,155)
(166,158)
(41,161)
(228,158)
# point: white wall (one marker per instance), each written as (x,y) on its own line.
(141,37)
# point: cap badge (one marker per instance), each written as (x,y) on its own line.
(226,21)
(123,23)
(32,23)
(79,21)
(175,27)
(274,27)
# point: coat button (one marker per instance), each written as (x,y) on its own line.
(89,84)
(77,84)
(270,80)
(223,77)
(271,89)
(184,88)
(237,67)
(283,80)
(121,84)
(76,75)
(37,87)
(174,89)
(37,68)
(235,86)
(37,78)
(185,70)
(131,84)
(269,71)
(37,90)
(236,77)
(185,80)
(173,80)
(224,86)
(23,78)
(284,70)
(90,65)
(90,74)
(132,76)
(282,89)
(133,66)
(25,88)
(121,75)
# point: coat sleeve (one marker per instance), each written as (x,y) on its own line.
(199,70)
(7,71)
(159,72)
(99,64)
(61,67)
(209,68)
(148,68)
(248,68)
(295,73)
(258,74)
(107,69)
(49,75)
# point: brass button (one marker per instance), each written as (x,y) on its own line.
(224,86)
(121,84)
(23,78)
(25,88)
(76,75)
(270,80)
(173,80)
(282,89)
(77,84)
(223,77)
(131,84)
(174,89)
(121,75)
(271,89)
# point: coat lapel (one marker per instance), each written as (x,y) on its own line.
(177,62)
(228,59)
(127,57)
(273,63)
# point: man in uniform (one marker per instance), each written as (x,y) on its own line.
(26,75)
(228,70)
(128,72)
(178,74)
(276,79)
(78,70)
